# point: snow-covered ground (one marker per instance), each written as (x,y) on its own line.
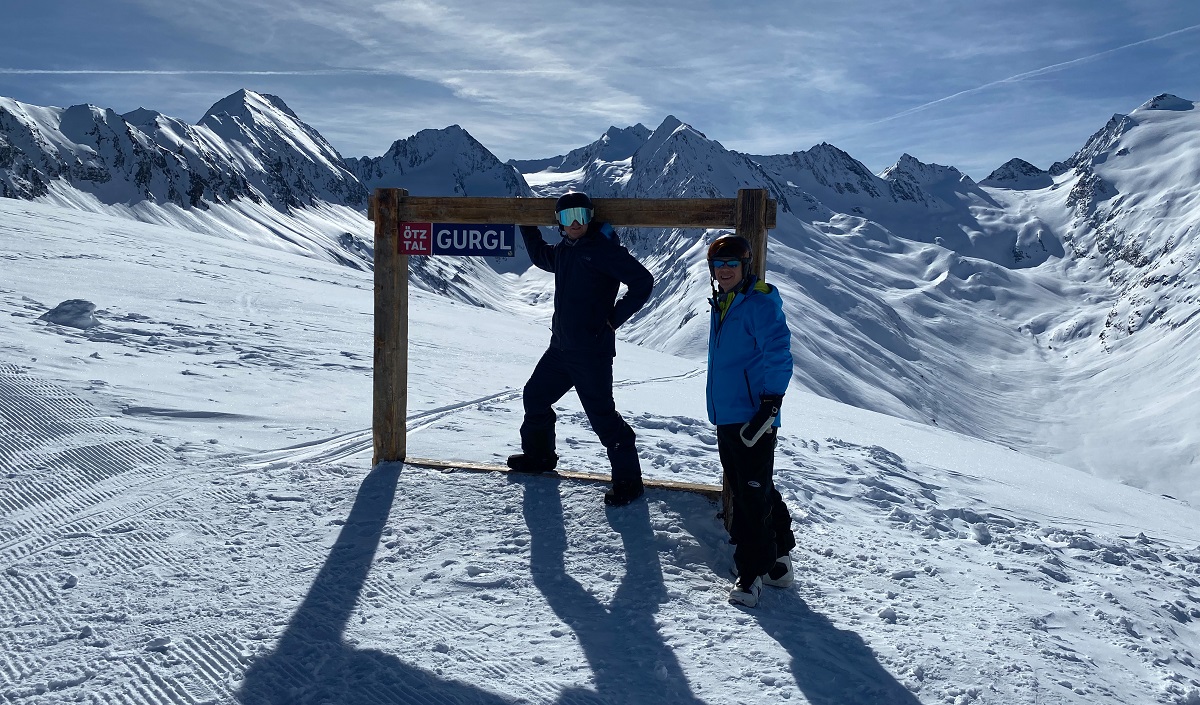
(188,515)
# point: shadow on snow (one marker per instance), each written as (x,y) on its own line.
(629,661)
(312,664)
(628,657)
(830,666)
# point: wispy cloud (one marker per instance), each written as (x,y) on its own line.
(545,76)
(1016,78)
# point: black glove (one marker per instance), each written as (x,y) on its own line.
(763,419)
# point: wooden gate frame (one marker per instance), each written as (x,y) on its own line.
(750,215)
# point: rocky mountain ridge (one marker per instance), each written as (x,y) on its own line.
(247,146)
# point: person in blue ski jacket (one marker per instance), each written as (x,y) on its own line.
(589,266)
(749,367)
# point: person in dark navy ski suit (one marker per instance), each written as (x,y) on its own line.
(589,265)
(749,367)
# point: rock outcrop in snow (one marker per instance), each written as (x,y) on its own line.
(1020,175)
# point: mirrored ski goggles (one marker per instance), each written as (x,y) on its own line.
(718,263)
(580,215)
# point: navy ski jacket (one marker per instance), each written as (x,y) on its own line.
(749,353)
(588,273)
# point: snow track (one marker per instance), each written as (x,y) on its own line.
(149,575)
(83,501)
(64,464)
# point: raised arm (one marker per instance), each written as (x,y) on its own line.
(540,253)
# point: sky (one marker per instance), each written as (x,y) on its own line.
(965,84)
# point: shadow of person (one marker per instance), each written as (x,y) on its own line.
(629,660)
(312,664)
(831,666)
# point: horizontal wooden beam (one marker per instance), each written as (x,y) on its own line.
(710,491)
(622,212)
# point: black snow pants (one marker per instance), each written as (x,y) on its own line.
(592,377)
(762,526)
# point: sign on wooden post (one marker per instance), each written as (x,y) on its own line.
(458,239)
(750,215)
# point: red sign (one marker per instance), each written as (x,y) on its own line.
(415,239)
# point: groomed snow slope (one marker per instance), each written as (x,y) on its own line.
(188,515)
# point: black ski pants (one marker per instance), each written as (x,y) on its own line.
(592,377)
(762,526)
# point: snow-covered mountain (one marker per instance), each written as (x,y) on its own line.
(446,162)
(250,169)
(1128,212)
(187,515)
(247,146)
(614,146)
(1136,208)
(1050,311)
(986,308)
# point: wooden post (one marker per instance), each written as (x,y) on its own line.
(390,398)
(750,222)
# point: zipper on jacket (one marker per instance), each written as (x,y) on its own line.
(712,407)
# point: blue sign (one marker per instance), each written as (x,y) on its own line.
(457,239)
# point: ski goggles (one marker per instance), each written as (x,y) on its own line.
(718,263)
(580,215)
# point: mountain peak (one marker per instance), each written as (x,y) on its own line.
(1018,174)
(920,172)
(445,162)
(669,124)
(246,103)
(1166,101)
(143,117)
(667,130)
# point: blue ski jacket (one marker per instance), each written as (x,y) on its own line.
(588,273)
(749,352)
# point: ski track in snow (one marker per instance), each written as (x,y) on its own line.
(161,579)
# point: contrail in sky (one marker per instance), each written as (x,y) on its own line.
(185,72)
(1030,74)
(312,72)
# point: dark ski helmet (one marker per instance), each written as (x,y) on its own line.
(730,246)
(573,206)
(573,199)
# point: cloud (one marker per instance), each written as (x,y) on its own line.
(545,76)
(1061,66)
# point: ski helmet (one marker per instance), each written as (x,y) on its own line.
(730,246)
(573,206)
(573,199)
